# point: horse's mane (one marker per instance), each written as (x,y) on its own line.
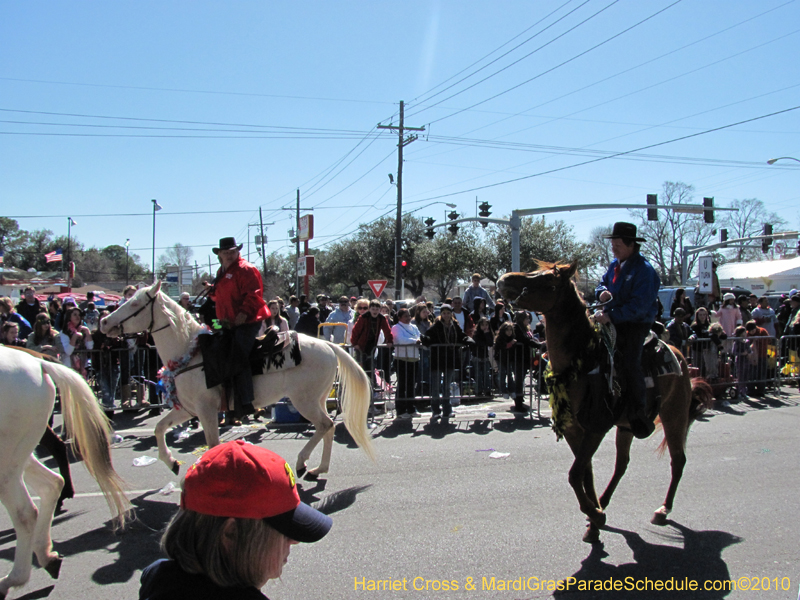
(181,320)
(543,265)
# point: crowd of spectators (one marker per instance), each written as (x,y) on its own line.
(738,342)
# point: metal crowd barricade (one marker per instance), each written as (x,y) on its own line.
(735,366)
(789,359)
(472,381)
(107,370)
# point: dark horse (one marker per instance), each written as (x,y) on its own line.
(551,291)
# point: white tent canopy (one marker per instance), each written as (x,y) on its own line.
(762,276)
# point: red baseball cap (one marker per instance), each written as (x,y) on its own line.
(240,480)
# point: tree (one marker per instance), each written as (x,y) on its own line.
(539,240)
(12,239)
(448,258)
(279,276)
(178,254)
(667,237)
(748,221)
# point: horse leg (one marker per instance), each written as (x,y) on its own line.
(47,485)
(323,430)
(23,514)
(675,439)
(577,477)
(623,440)
(58,449)
(172,418)
(208,415)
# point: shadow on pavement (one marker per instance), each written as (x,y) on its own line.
(700,560)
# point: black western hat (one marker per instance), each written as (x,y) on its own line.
(626,231)
(227,243)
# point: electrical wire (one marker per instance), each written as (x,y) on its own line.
(616,155)
(418,98)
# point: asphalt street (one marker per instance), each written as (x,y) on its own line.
(439,515)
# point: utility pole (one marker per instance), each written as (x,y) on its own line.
(398,230)
(297,246)
(263,253)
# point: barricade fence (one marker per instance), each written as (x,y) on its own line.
(107,371)
(737,366)
(414,375)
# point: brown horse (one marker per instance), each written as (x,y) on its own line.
(551,291)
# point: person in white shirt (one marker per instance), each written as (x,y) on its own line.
(406,352)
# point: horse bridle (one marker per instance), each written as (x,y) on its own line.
(151,302)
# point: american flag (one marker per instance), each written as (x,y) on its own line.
(54,256)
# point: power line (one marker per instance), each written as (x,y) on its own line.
(616,155)
(608,78)
(502,55)
(569,60)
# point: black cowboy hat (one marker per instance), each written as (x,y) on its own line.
(626,231)
(227,243)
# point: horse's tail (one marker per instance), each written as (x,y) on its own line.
(355,393)
(702,398)
(89,427)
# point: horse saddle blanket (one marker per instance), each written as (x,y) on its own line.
(223,359)
(604,403)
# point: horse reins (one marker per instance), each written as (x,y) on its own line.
(151,302)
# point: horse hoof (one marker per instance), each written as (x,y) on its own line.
(300,471)
(598,519)
(591,535)
(54,566)
(176,467)
(659,517)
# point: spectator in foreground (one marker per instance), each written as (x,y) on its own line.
(9,314)
(240,514)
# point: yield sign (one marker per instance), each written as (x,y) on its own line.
(377,286)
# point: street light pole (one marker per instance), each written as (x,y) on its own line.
(772,161)
(156,207)
(127,246)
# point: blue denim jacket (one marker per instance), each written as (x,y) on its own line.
(635,292)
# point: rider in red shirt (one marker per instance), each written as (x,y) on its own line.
(238,294)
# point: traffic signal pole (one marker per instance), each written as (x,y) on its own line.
(515,221)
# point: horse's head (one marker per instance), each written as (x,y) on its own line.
(540,290)
(135,315)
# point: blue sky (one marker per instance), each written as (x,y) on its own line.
(231,106)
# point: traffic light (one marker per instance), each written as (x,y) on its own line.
(652,213)
(723,235)
(403,267)
(453,215)
(767,242)
(429,233)
(484,212)
(708,215)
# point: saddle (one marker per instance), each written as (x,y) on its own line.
(604,403)
(222,359)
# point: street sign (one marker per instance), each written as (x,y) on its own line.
(305,266)
(705,277)
(377,286)
(306,228)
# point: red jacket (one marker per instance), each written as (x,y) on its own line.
(360,333)
(240,290)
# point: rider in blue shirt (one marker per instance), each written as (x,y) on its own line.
(631,284)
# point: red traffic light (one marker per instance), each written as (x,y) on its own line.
(404,264)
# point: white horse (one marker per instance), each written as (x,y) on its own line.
(27,395)
(307,385)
